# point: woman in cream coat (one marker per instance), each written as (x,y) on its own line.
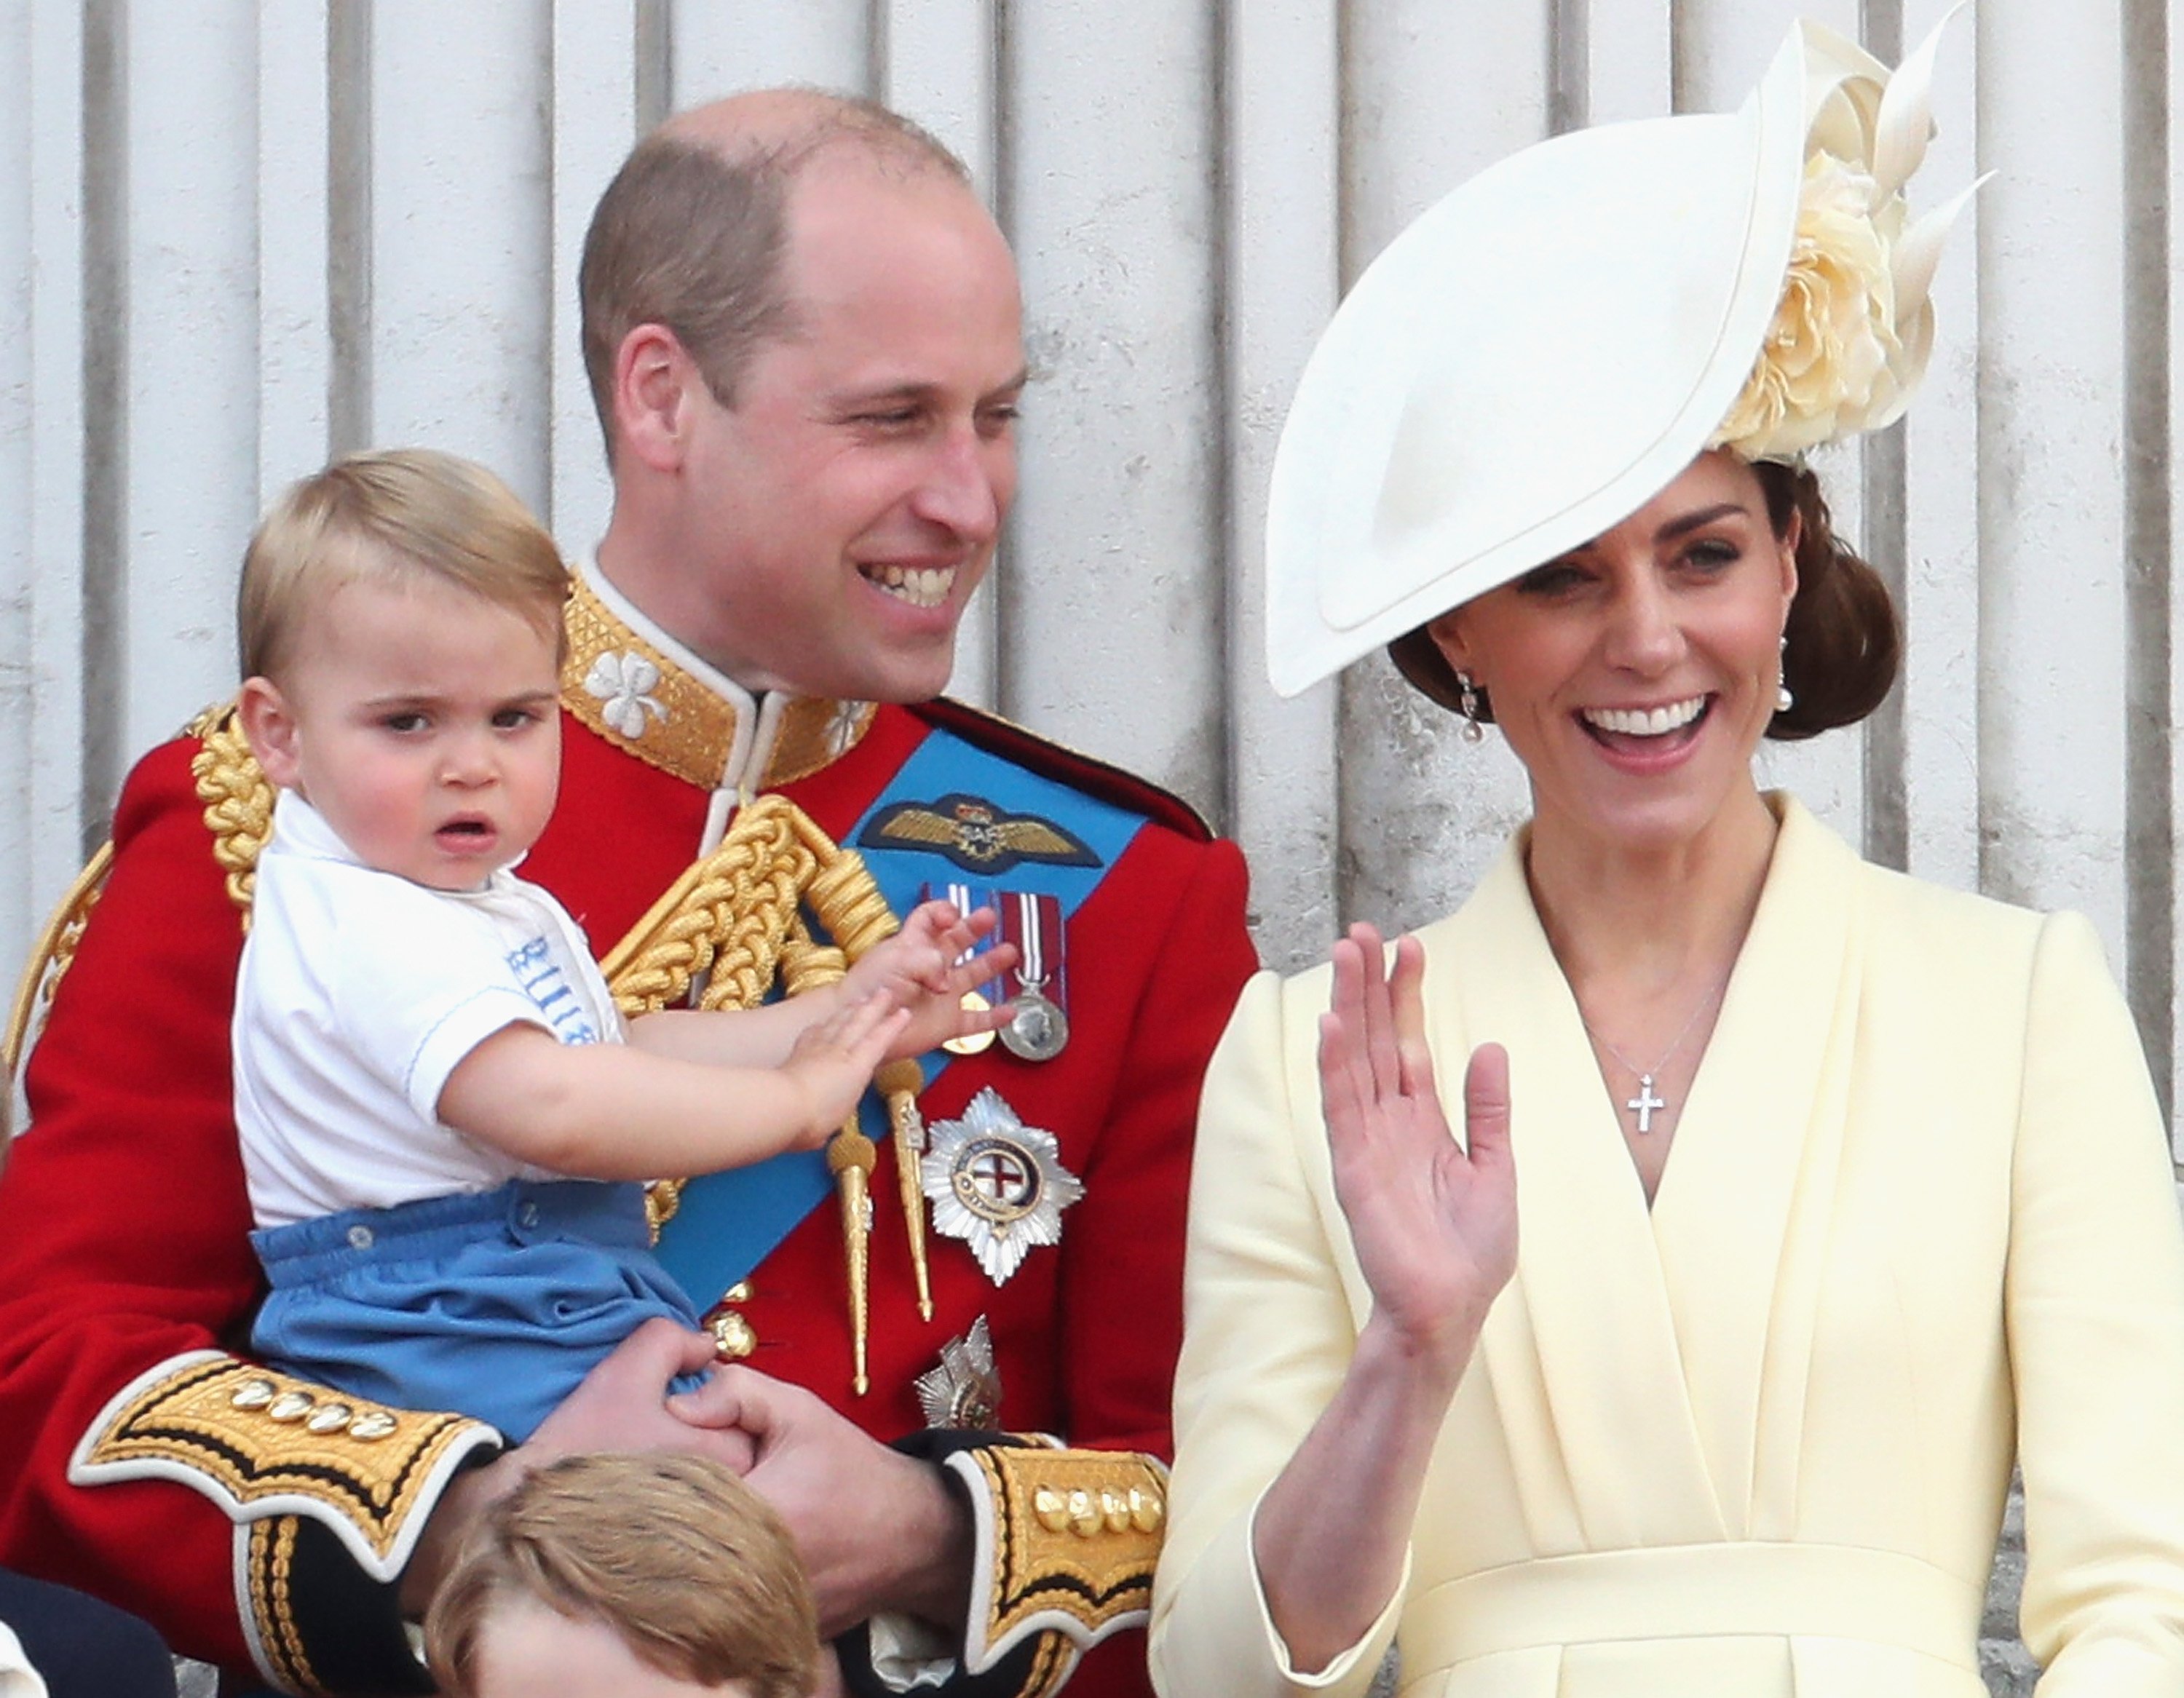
(1741,1422)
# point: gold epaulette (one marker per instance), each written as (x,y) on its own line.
(51,955)
(261,1444)
(1069,1539)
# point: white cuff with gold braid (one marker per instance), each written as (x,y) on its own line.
(1067,1543)
(262,1444)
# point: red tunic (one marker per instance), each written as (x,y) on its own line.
(123,1213)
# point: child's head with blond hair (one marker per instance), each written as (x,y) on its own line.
(399,623)
(601,1572)
(396,516)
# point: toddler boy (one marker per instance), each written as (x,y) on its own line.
(443,1120)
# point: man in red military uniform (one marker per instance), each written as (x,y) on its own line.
(803,331)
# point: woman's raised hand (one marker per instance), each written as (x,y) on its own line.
(1433,1221)
(1434,1228)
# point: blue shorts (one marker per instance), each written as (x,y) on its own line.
(492,1303)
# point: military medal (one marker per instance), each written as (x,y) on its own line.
(965,1390)
(965,900)
(971,1043)
(1037,1029)
(1040,1029)
(996,1183)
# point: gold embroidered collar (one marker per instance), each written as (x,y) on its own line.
(642,691)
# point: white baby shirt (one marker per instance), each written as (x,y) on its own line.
(358,992)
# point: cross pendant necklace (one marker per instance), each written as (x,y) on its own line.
(1649,1102)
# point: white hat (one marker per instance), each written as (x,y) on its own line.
(1541,352)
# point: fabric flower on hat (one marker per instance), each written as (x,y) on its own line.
(1830,357)
(1850,335)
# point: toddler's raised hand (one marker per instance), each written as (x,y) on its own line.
(927,967)
(832,1061)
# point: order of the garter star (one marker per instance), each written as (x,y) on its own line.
(997,1183)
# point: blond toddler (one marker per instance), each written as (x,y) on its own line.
(444,1120)
(626,1577)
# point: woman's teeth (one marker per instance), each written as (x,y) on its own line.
(1644,721)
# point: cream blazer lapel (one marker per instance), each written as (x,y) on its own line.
(1741,1215)
(1580,1352)
(1651,1367)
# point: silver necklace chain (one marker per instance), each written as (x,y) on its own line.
(1647,1103)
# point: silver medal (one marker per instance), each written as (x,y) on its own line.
(996,1183)
(1038,1030)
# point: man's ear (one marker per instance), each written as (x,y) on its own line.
(271,728)
(653,377)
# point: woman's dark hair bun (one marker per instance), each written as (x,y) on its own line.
(1843,641)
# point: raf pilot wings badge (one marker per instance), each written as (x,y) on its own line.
(976,835)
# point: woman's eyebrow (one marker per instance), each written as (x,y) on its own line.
(1689,522)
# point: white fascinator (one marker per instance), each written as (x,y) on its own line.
(1543,350)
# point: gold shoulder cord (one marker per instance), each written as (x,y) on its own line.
(238,812)
(51,955)
(239,801)
(734,923)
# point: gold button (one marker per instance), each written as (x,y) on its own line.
(373,1423)
(290,1405)
(1117,1509)
(740,1292)
(1084,1513)
(328,1418)
(734,1338)
(1146,1510)
(1051,1508)
(254,1394)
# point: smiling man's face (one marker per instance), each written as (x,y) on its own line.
(856,488)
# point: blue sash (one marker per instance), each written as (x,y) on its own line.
(728,1222)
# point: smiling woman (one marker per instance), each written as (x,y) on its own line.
(1635,674)
(1841,641)
(1840,1192)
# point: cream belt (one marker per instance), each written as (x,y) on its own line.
(1696,1591)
